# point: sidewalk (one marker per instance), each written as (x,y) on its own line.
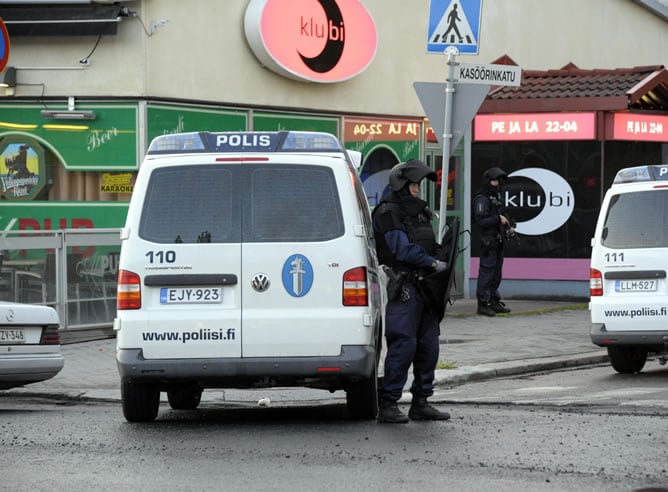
(537,335)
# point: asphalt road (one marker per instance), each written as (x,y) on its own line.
(76,446)
(593,387)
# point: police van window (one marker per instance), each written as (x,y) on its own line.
(637,220)
(191,204)
(362,205)
(293,203)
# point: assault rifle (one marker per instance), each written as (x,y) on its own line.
(508,230)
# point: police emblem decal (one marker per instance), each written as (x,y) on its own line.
(297,275)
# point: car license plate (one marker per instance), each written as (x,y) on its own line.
(636,285)
(191,295)
(12,335)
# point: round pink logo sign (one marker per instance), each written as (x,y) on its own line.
(313,40)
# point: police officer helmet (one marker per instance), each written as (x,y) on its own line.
(412,171)
(494,173)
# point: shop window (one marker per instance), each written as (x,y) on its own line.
(575,171)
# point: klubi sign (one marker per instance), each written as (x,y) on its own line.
(543,195)
(311,40)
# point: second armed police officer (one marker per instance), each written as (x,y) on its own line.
(495,226)
(406,245)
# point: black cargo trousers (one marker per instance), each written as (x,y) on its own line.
(489,274)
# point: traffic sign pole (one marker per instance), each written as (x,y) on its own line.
(451,51)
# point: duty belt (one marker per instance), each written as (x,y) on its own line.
(410,275)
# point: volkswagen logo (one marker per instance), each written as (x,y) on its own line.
(260,282)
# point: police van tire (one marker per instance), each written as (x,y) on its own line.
(184,397)
(362,397)
(627,360)
(140,400)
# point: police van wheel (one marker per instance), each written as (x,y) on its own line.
(140,400)
(362,398)
(184,397)
(627,360)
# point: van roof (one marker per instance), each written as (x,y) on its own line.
(641,174)
(242,142)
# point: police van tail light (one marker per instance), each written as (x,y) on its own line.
(355,290)
(595,283)
(129,290)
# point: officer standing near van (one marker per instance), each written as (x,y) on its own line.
(406,245)
(495,226)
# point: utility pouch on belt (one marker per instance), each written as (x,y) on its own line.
(486,241)
(395,282)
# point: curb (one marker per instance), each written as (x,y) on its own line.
(469,311)
(483,372)
(443,377)
(446,377)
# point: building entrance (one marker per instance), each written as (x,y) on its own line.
(455,201)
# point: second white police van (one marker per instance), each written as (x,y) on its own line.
(247,261)
(628,284)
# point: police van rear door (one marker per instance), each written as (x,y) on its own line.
(296,250)
(188,254)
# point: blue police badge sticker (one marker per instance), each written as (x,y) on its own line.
(297,275)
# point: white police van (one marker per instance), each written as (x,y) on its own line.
(247,261)
(628,285)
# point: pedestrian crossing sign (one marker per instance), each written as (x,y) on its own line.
(454,23)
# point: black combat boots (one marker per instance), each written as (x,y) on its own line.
(499,306)
(486,309)
(389,413)
(422,410)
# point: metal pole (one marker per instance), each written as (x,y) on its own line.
(451,51)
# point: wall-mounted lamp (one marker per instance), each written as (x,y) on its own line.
(50,114)
(9,77)
(70,114)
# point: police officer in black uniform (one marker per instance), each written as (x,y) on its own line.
(495,226)
(406,244)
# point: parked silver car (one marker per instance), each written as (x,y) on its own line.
(29,344)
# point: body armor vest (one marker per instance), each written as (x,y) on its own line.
(492,202)
(411,216)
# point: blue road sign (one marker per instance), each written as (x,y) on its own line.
(454,23)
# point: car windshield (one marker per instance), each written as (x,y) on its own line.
(637,220)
